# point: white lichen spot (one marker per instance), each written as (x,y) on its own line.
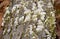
(42,17)
(31,29)
(27,12)
(28,18)
(21,19)
(13,9)
(40,22)
(34,17)
(33,37)
(17,11)
(39,28)
(34,6)
(7,12)
(8,30)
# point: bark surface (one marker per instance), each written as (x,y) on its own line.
(57,15)
(3,5)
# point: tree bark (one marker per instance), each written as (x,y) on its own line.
(57,15)
(3,5)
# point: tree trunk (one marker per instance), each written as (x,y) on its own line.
(57,15)
(3,5)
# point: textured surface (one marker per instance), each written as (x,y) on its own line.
(3,5)
(29,19)
(57,15)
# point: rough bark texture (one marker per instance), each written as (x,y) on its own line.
(23,20)
(57,15)
(19,25)
(3,5)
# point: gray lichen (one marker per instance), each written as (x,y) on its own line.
(30,20)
